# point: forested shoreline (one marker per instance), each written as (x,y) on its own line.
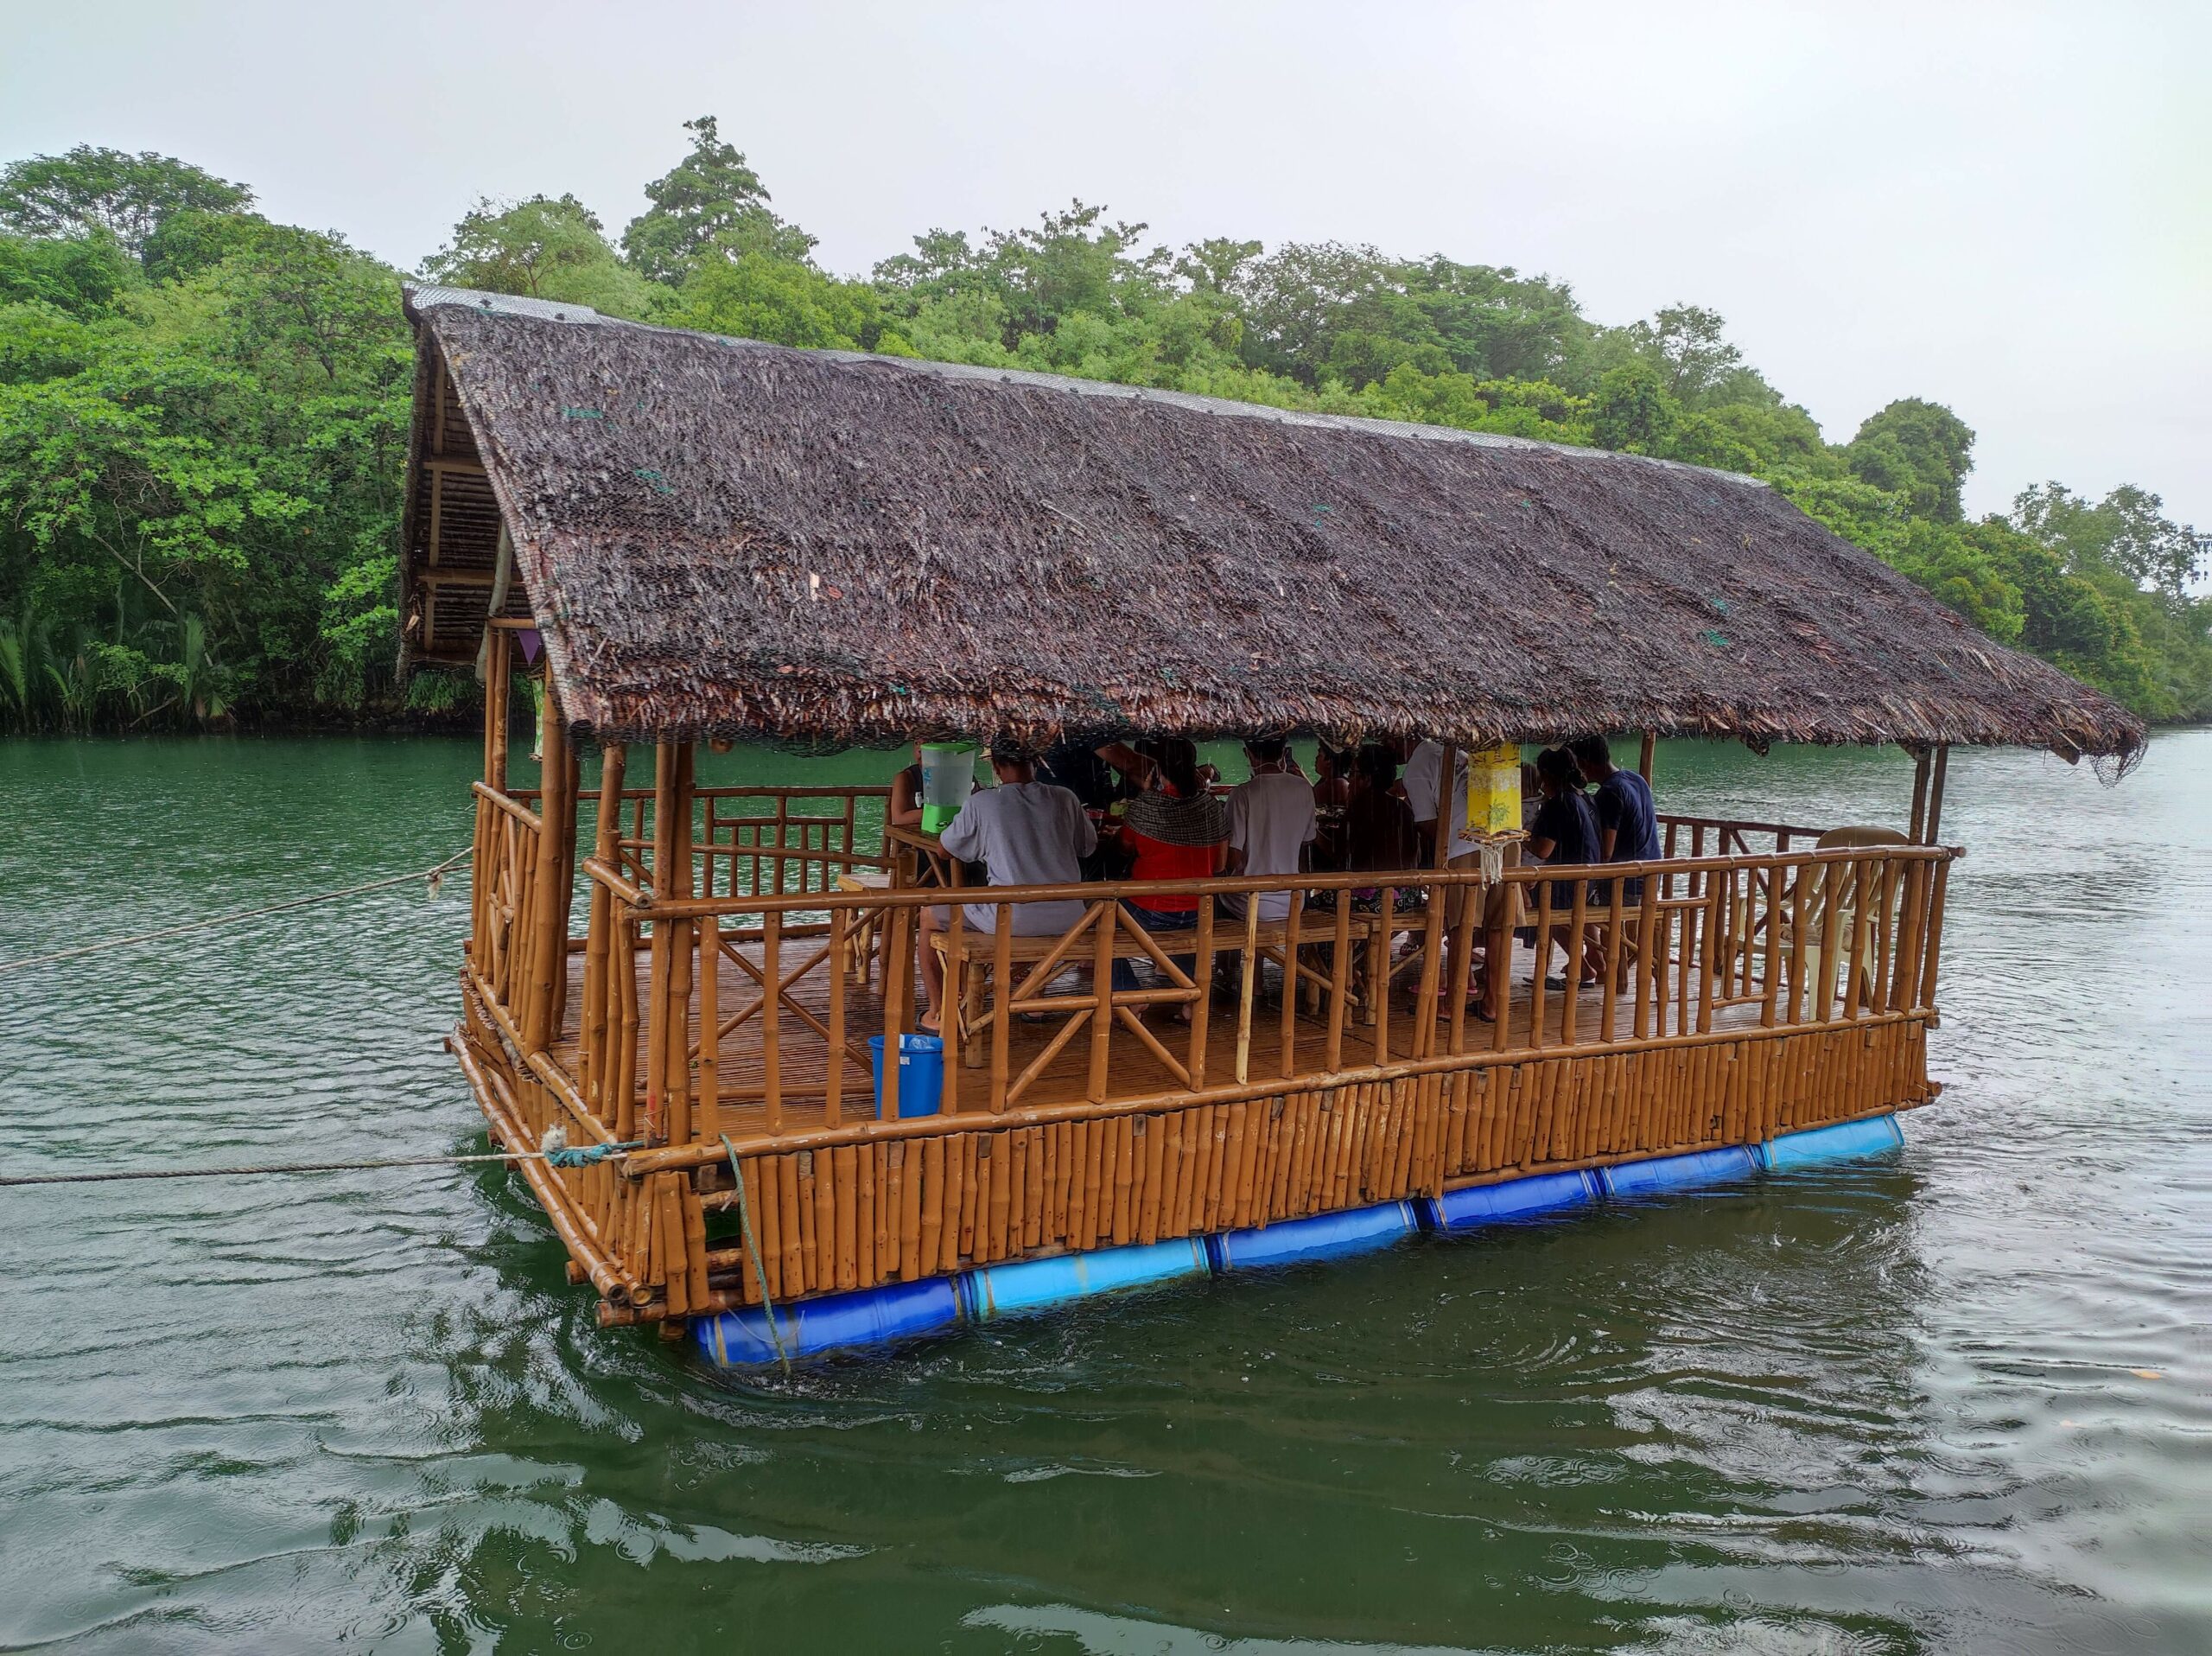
(203,416)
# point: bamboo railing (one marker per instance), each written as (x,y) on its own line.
(1757,983)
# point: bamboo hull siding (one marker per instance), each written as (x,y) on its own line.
(960,1191)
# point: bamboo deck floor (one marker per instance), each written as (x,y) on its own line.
(1134,1072)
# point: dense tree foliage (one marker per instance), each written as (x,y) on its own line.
(203,415)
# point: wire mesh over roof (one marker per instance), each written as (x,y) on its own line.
(719,538)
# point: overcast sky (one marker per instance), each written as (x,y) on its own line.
(2002,207)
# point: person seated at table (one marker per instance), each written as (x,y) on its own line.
(1026,833)
(1628,821)
(1333,784)
(1076,767)
(1175,830)
(1565,832)
(1271,822)
(1379,830)
(904,808)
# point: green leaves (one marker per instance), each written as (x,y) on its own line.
(93,191)
(547,248)
(710,200)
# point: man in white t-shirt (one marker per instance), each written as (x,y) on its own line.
(1028,833)
(1270,823)
(1423,770)
(1420,781)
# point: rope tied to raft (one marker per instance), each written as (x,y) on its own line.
(557,1152)
(434,876)
(760,1270)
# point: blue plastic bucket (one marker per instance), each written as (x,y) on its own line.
(1325,1236)
(872,1316)
(921,1074)
(1844,1141)
(1665,1173)
(1507,1200)
(1045,1285)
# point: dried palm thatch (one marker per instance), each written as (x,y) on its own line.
(723,538)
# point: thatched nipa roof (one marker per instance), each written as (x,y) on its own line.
(724,539)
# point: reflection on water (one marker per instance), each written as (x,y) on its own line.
(1955,1402)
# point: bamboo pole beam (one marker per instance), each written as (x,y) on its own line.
(499,1106)
(666,767)
(599,941)
(1339,984)
(1247,981)
(1002,991)
(1202,1008)
(1102,970)
(772,1024)
(547,952)
(1650,752)
(1451,813)
(707,1111)
(833,1100)
(1935,825)
(1921,761)
(680,947)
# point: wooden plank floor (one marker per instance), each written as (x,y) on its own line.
(1134,1070)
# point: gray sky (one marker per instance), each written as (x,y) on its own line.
(2004,207)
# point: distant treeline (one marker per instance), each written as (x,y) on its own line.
(203,415)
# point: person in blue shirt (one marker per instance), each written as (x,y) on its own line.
(1628,822)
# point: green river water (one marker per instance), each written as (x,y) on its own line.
(1960,1401)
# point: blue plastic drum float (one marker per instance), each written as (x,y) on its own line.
(896,1311)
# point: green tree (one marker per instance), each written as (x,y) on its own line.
(710,199)
(79,276)
(1919,450)
(2127,532)
(546,247)
(1633,411)
(755,296)
(92,191)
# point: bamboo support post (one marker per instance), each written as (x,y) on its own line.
(707,1108)
(1934,823)
(1202,1008)
(1002,994)
(833,1085)
(547,947)
(1105,918)
(1248,983)
(1339,983)
(771,1021)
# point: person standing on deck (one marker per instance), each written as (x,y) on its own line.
(1271,822)
(1426,793)
(1026,833)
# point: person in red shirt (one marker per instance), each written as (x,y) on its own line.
(1175,830)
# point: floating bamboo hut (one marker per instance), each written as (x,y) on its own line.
(694,540)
